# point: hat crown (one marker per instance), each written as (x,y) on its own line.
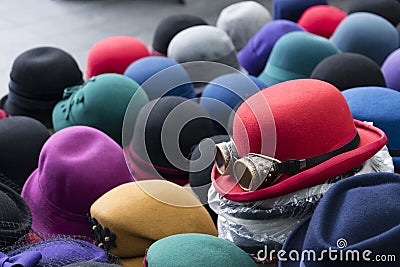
(101,103)
(114,55)
(281,121)
(367,34)
(76,166)
(161,76)
(43,73)
(170,26)
(295,56)
(349,70)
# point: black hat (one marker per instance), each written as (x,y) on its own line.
(37,81)
(164,128)
(169,27)
(348,70)
(21,140)
(15,217)
(201,164)
(389,9)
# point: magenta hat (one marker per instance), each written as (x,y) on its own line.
(76,166)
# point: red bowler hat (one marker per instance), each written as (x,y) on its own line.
(291,136)
(322,20)
(114,55)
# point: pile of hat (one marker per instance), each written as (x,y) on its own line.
(268,135)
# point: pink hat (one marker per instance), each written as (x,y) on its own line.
(76,166)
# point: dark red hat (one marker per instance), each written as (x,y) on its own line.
(114,55)
(299,119)
(321,20)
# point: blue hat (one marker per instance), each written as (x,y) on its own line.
(295,56)
(293,9)
(224,94)
(255,54)
(161,76)
(378,105)
(360,213)
(367,34)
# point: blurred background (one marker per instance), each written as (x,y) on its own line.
(75,25)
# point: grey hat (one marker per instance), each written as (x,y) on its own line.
(243,20)
(203,43)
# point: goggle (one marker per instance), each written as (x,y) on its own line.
(256,170)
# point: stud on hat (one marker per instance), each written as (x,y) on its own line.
(388,9)
(292,9)
(255,54)
(196,250)
(22,139)
(348,70)
(114,55)
(165,132)
(177,211)
(391,70)
(76,166)
(268,123)
(321,20)
(169,27)
(295,56)
(376,105)
(37,80)
(100,102)
(161,76)
(367,34)
(193,44)
(242,20)
(358,214)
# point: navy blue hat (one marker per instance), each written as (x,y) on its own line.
(161,76)
(358,213)
(37,81)
(293,9)
(389,9)
(224,94)
(367,34)
(349,70)
(378,105)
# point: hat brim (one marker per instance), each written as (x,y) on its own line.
(268,80)
(249,61)
(372,140)
(58,117)
(295,241)
(44,116)
(52,220)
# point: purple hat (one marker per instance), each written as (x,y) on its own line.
(391,70)
(76,166)
(56,252)
(255,54)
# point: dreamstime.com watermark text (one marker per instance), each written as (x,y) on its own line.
(329,254)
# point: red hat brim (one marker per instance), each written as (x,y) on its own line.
(372,140)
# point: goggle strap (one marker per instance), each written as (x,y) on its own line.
(294,166)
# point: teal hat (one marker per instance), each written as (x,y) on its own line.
(100,103)
(295,56)
(366,34)
(196,250)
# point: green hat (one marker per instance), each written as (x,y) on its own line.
(295,56)
(196,250)
(100,102)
